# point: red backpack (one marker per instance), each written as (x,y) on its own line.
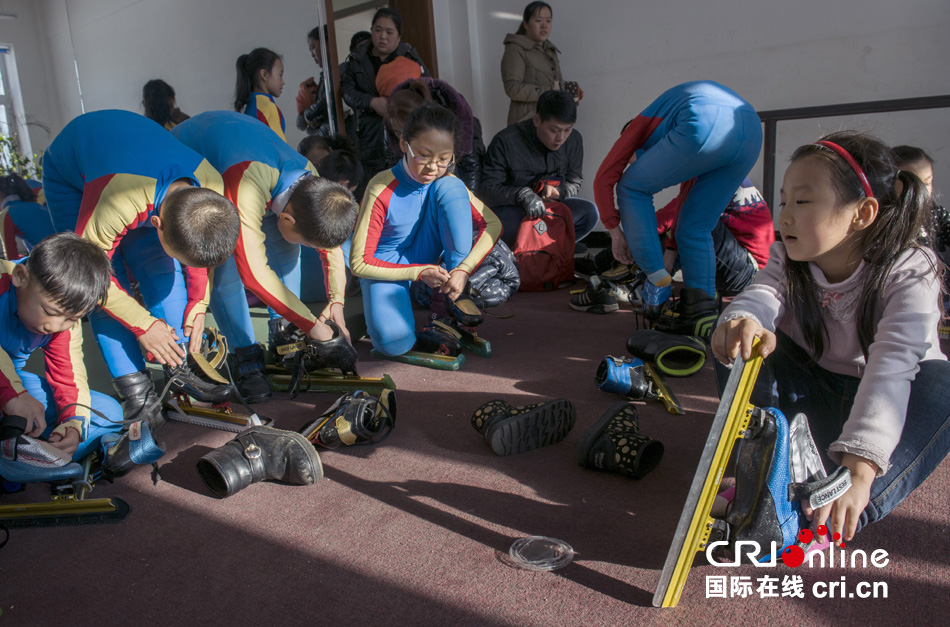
(544,249)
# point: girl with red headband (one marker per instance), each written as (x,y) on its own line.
(847,312)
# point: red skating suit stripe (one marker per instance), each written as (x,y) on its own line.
(251,202)
(611,168)
(66,372)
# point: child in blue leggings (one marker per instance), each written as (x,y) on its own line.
(283,204)
(411,215)
(699,130)
(42,301)
(124,183)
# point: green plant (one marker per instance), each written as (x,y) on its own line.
(12,161)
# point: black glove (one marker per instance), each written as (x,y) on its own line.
(530,203)
(569,190)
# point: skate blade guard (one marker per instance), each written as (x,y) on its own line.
(695,523)
(426,360)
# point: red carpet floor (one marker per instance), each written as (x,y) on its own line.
(415,531)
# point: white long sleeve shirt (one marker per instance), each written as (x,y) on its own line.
(906,319)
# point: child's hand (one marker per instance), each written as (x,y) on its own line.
(842,515)
(455,285)
(736,336)
(321,332)
(195,334)
(434,277)
(28,407)
(336,314)
(162,342)
(68,443)
(619,247)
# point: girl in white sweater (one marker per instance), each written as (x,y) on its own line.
(847,312)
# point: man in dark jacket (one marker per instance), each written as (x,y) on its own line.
(537,160)
(358,85)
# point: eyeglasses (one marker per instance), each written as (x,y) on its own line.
(442,164)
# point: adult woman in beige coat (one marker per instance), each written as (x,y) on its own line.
(530,64)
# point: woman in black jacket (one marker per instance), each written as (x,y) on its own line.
(358,85)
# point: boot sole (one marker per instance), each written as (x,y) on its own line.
(541,426)
(597,309)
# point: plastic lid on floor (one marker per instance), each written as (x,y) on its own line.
(540,553)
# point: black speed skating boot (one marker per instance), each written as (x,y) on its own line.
(695,314)
(136,444)
(260,454)
(138,399)
(184,381)
(440,338)
(355,418)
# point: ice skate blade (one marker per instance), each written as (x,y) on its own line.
(64,511)
(695,523)
(221,418)
(663,391)
(426,360)
(328,381)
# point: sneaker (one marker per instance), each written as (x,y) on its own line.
(595,299)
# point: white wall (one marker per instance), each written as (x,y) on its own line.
(193,45)
(36,44)
(624,54)
(776,55)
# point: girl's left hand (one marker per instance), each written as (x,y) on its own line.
(841,517)
(456,283)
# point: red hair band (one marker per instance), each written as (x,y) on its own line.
(844,154)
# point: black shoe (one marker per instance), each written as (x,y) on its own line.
(247,368)
(511,430)
(185,381)
(614,444)
(138,399)
(440,338)
(260,454)
(595,299)
(465,311)
(695,313)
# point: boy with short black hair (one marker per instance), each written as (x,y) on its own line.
(124,183)
(283,204)
(42,299)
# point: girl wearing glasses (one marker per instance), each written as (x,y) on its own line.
(413,215)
